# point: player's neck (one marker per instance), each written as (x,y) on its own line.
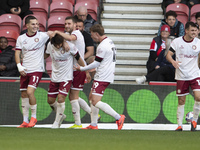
(31,33)
(188,38)
(102,38)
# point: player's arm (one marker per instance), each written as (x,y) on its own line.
(90,52)
(66,36)
(81,63)
(170,58)
(46,55)
(21,69)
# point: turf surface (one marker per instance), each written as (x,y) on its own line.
(75,139)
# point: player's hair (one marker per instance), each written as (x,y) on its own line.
(190,23)
(3,37)
(170,13)
(97,28)
(74,20)
(79,20)
(197,15)
(57,40)
(28,18)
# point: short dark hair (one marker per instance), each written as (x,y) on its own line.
(3,37)
(97,28)
(79,20)
(28,18)
(57,40)
(170,13)
(197,15)
(74,20)
(190,23)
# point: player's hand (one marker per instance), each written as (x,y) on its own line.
(21,69)
(2,67)
(157,67)
(88,77)
(176,64)
(77,67)
(66,46)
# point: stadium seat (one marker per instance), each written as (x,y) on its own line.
(91,8)
(62,8)
(181,10)
(193,11)
(39,7)
(56,23)
(93,1)
(10,21)
(71,1)
(42,22)
(11,35)
(46,1)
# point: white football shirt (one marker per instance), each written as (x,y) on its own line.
(62,62)
(107,52)
(187,53)
(32,48)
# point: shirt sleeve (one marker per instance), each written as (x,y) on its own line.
(100,53)
(18,44)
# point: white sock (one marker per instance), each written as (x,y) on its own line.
(54,106)
(180,114)
(25,109)
(196,110)
(94,115)
(107,109)
(76,111)
(60,111)
(84,105)
(33,110)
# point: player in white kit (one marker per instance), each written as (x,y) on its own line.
(105,63)
(76,37)
(31,47)
(62,75)
(187,49)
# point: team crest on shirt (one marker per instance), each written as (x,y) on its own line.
(62,51)
(194,47)
(36,39)
(178,91)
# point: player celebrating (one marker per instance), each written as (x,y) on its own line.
(31,46)
(61,75)
(105,63)
(187,74)
(76,37)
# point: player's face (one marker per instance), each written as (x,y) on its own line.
(94,36)
(3,43)
(69,25)
(79,26)
(198,21)
(192,32)
(165,34)
(58,46)
(171,21)
(33,26)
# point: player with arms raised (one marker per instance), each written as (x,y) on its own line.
(105,63)
(31,47)
(187,49)
(62,75)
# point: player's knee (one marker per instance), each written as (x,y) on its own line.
(181,101)
(61,98)
(30,93)
(24,94)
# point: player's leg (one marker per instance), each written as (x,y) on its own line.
(73,97)
(180,112)
(25,109)
(84,105)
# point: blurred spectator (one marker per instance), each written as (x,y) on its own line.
(87,18)
(18,7)
(8,67)
(89,44)
(176,27)
(157,45)
(164,71)
(192,3)
(197,17)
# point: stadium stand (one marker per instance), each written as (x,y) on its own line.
(93,1)
(56,23)
(131,24)
(39,7)
(71,1)
(181,10)
(92,8)
(62,8)
(48,66)
(10,21)
(11,35)
(194,9)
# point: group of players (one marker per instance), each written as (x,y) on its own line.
(69,71)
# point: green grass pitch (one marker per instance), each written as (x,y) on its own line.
(76,139)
